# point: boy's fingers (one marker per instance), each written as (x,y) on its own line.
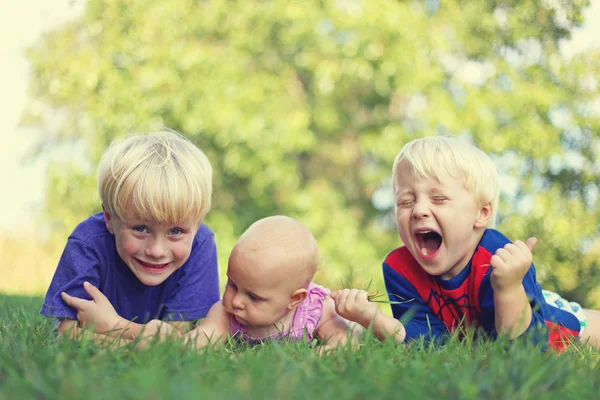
(531,243)
(75,302)
(93,291)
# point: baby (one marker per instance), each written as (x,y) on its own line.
(270,293)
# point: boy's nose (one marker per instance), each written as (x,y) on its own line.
(156,249)
(420,210)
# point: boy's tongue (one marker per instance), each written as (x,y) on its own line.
(429,242)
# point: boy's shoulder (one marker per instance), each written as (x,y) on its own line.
(493,240)
(93,227)
(204,232)
(401,261)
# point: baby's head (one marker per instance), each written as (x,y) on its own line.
(440,156)
(155,191)
(161,177)
(269,270)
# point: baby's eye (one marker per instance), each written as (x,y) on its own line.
(232,285)
(253,297)
(439,199)
(140,228)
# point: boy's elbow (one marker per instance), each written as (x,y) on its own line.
(68,327)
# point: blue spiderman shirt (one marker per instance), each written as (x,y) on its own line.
(431,307)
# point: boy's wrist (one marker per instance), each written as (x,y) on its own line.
(120,326)
(510,291)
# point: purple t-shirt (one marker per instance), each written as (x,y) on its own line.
(91,255)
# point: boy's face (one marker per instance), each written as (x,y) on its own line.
(439,221)
(153,251)
(256,295)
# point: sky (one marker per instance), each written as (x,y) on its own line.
(21,25)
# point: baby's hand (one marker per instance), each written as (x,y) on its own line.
(97,311)
(510,264)
(354,305)
(156,328)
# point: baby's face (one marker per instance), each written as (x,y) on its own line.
(438,221)
(152,250)
(257,295)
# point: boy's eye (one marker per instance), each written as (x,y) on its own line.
(405,203)
(176,231)
(140,228)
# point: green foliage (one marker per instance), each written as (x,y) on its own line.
(301,107)
(34,363)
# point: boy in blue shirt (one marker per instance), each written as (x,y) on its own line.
(454,269)
(147,253)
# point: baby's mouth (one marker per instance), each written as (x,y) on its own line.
(428,242)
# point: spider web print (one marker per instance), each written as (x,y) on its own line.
(451,311)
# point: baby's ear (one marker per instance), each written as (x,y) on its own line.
(485,213)
(297,297)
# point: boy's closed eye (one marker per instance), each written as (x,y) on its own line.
(405,203)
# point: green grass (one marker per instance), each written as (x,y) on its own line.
(35,364)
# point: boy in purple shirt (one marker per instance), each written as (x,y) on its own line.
(147,253)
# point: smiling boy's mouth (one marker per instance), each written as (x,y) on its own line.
(428,242)
(153,266)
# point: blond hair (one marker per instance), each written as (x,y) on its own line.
(436,156)
(162,175)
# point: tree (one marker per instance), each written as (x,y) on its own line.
(301,107)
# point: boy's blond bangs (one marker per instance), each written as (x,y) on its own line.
(439,156)
(163,177)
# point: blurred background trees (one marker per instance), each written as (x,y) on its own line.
(301,107)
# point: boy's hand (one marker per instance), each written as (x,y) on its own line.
(354,305)
(97,311)
(510,264)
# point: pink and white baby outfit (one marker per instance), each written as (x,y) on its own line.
(305,320)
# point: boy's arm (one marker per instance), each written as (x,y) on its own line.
(214,329)
(354,305)
(100,314)
(513,313)
(70,328)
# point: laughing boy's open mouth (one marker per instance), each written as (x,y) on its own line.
(428,242)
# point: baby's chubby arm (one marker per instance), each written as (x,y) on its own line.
(214,329)
(509,265)
(101,315)
(354,305)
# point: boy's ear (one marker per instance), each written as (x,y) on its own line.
(485,213)
(107,219)
(297,297)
